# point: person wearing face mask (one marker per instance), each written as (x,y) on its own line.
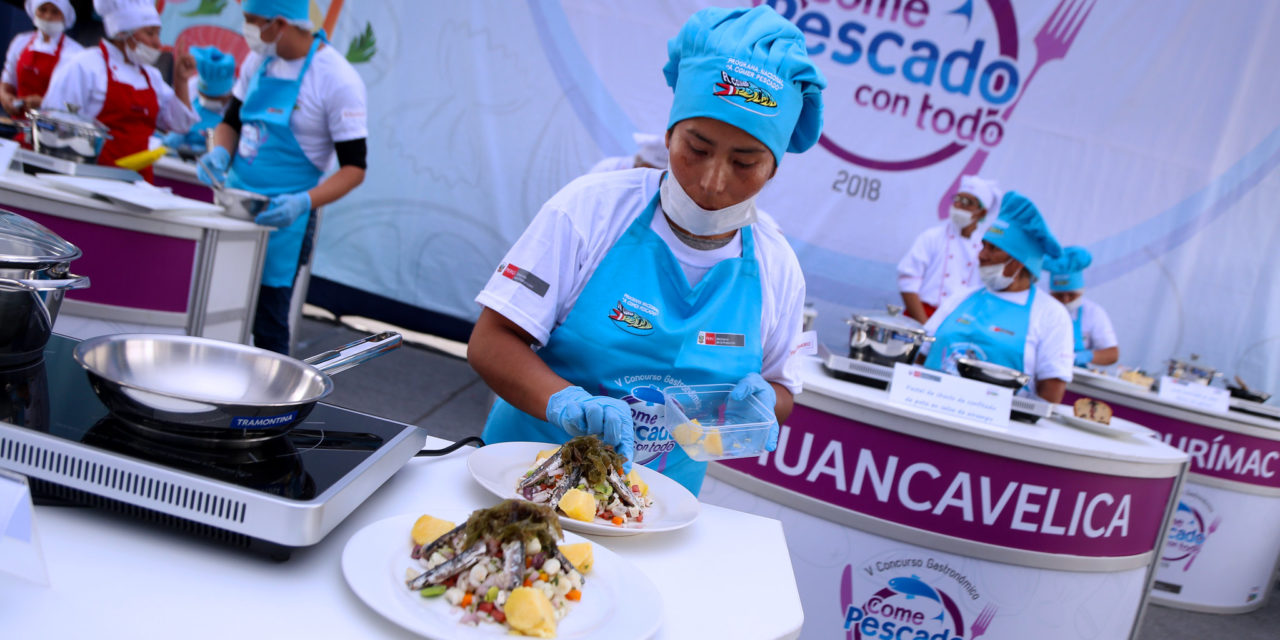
(1094,338)
(118,84)
(33,56)
(215,73)
(1005,322)
(943,261)
(651,153)
(626,282)
(297,108)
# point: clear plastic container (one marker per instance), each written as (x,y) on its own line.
(709,426)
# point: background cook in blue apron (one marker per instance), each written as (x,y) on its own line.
(1007,322)
(1094,338)
(620,272)
(211,86)
(297,105)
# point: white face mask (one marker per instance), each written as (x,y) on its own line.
(961,218)
(993,276)
(142,54)
(51,29)
(1074,305)
(703,222)
(253,36)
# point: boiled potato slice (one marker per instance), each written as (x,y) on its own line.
(428,528)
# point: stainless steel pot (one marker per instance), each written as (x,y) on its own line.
(1192,371)
(66,134)
(885,340)
(34,277)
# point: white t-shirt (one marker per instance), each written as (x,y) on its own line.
(83,82)
(941,264)
(614,163)
(1049,350)
(574,230)
(331,101)
(1095,326)
(10,74)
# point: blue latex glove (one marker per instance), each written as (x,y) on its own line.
(580,413)
(1083,358)
(753,385)
(212,167)
(283,210)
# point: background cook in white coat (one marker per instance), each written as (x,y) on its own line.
(569,237)
(40,42)
(942,262)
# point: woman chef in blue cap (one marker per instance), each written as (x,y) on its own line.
(1094,338)
(297,105)
(1005,322)
(630,281)
(215,73)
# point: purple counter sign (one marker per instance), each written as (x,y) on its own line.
(1214,452)
(962,493)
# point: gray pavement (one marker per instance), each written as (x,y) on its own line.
(433,389)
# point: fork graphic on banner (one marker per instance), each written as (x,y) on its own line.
(1052,42)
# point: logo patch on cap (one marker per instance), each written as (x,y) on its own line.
(731,87)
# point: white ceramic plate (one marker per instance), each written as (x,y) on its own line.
(1118,426)
(1104,381)
(618,601)
(498,467)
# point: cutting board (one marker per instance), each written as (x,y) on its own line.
(141,197)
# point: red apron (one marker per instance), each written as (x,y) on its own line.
(34,70)
(130,114)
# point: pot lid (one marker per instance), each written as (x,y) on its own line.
(897,323)
(67,118)
(25,242)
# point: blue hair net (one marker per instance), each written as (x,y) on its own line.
(288,9)
(749,68)
(217,70)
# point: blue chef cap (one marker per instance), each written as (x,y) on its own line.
(1067,271)
(1021,232)
(217,70)
(749,68)
(291,10)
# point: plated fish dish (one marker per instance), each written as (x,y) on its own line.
(502,566)
(583,479)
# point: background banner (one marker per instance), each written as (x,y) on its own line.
(1145,130)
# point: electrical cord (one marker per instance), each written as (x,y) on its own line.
(451,448)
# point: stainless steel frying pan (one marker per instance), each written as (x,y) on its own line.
(220,393)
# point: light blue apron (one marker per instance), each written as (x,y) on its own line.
(638,327)
(984,327)
(1077,330)
(269,161)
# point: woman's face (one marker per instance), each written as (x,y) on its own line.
(718,164)
(149,36)
(50,12)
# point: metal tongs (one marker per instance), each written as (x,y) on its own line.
(219,183)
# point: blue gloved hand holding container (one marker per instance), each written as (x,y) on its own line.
(754,385)
(580,413)
(212,167)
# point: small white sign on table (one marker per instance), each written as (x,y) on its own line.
(20,552)
(1194,394)
(950,396)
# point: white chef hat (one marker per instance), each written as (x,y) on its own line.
(652,149)
(126,15)
(984,190)
(68,11)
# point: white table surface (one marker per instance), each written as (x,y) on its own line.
(728,575)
